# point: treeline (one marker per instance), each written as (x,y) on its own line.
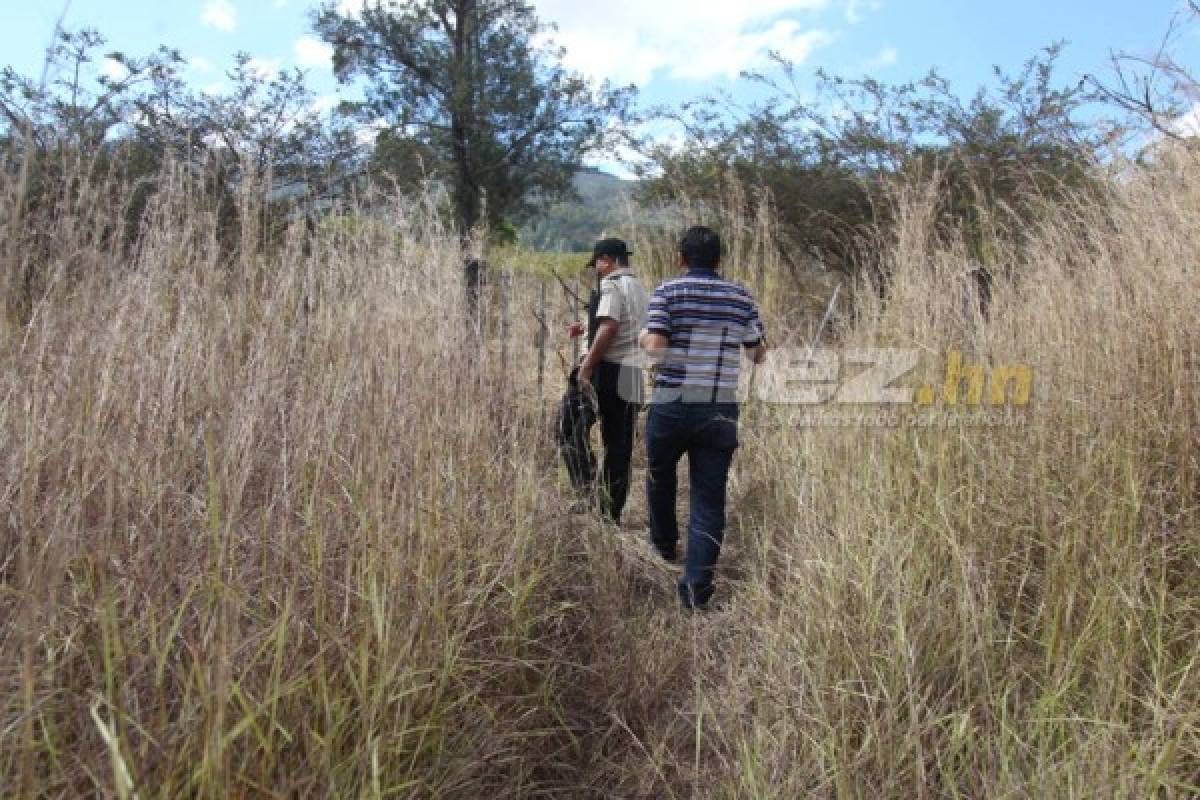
(81,145)
(460,94)
(830,167)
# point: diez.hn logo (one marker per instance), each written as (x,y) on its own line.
(870,376)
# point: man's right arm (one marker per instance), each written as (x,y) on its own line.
(654,345)
(758,353)
(655,338)
(755,340)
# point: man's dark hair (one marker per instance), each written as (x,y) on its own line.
(701,248)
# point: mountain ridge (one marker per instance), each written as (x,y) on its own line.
(573,225)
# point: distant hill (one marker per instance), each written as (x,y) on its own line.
(574,225)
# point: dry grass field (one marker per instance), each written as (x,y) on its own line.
(277,524)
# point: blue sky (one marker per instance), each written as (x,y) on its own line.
(673,49)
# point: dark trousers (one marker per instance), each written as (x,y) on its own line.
(619,392)
(707,433)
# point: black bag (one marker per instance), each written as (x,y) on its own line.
(576,416)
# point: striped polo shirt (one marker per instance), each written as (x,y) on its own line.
(707,321)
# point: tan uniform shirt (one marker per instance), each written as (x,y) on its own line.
(623,299)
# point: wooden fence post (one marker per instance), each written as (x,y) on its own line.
(543,335)
(505,290)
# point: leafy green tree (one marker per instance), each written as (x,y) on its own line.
(465,92)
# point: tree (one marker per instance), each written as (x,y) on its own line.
(82,132)
(65,143)
(72,105)
(1158,90)
(464,85)
(265,132)
(829,164)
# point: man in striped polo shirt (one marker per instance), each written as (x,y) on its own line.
(696,329)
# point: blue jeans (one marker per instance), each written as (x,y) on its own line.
(707,433)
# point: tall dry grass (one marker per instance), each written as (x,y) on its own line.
(278,525)
(281,525)
(989,611)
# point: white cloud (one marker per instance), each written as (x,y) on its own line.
(750,51)
(884,58)
(264,67)
(617,167)
(114,69)
(324,104)
(857,9)
(312,52)
(634,41)
(201,65)
(1188,124)
(624,160)
(351,8)
(219,14)
(366,134)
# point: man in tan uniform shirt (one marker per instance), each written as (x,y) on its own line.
(613,366)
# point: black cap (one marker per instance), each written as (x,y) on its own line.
(613,248)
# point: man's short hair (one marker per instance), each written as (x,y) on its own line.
(701,247)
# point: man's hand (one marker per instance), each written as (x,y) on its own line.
(758,353)
(654,345)
(605,334)
(575,330)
